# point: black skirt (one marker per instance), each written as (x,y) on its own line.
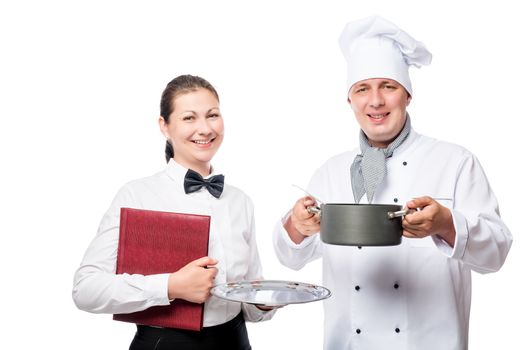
(231,335)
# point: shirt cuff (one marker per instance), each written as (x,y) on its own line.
(461,238)
(254,314)
(157,287)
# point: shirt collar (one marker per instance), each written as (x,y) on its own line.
(177,173)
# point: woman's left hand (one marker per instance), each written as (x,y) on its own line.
(432,219)
(268,308)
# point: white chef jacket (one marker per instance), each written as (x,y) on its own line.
(416,295)
(232,242)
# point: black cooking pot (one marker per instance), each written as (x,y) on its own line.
(360,224)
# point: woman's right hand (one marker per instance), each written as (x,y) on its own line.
(194,281)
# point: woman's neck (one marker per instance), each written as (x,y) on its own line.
(204,169)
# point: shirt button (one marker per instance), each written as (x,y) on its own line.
(396,286)
(395,200)
(397,330)
(358,330)
(404,163)
(357,288)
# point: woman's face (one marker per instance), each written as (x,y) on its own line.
(380,108)
(195,129)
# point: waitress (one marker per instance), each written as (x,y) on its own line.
(416,295)
(194,130)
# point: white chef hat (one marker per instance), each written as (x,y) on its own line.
(376,48)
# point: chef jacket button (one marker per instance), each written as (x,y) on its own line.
(396,286)
(395,200)
(359,247)
(357,288)
(358,330)
(404,163)
(397,330)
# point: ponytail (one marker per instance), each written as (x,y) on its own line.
(170,152)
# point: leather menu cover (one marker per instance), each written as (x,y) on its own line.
(153,242)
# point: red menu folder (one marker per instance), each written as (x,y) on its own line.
(153,242)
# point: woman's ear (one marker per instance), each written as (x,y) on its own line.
(163,127)
(408,101)
(349,101)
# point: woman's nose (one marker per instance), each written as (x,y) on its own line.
(204,128)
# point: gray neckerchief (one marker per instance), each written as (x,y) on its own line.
(369,167)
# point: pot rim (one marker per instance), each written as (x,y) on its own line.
(364,205)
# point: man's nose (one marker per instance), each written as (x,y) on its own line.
(376,100)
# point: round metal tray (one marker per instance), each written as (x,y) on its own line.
(270,292)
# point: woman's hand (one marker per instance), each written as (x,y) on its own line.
(301,222)
(194,281)
(432,219)
(268,308)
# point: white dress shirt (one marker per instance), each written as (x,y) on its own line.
(416,295)
(232,242)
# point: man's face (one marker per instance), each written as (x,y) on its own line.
(380,108)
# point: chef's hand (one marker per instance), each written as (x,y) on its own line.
(432,219)
(194,281)
(302,223)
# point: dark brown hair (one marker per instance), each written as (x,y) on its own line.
(182,84)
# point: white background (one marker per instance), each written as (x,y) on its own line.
(80,85)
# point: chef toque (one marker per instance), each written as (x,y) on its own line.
(376,48)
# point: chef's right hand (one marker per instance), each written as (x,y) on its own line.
(194,281)
(301,222)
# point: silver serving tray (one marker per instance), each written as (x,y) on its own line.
(270,292)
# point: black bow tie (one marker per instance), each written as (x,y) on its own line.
(193,182)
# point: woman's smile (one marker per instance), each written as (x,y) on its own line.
(203,143)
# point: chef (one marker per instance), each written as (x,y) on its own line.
(416,295)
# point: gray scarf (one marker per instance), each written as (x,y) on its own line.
(369,167)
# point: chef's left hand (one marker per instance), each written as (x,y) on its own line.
(431,219)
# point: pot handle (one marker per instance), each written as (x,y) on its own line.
(309,195)
(396,214)
(313,209)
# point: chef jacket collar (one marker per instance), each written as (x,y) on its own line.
(407,142)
